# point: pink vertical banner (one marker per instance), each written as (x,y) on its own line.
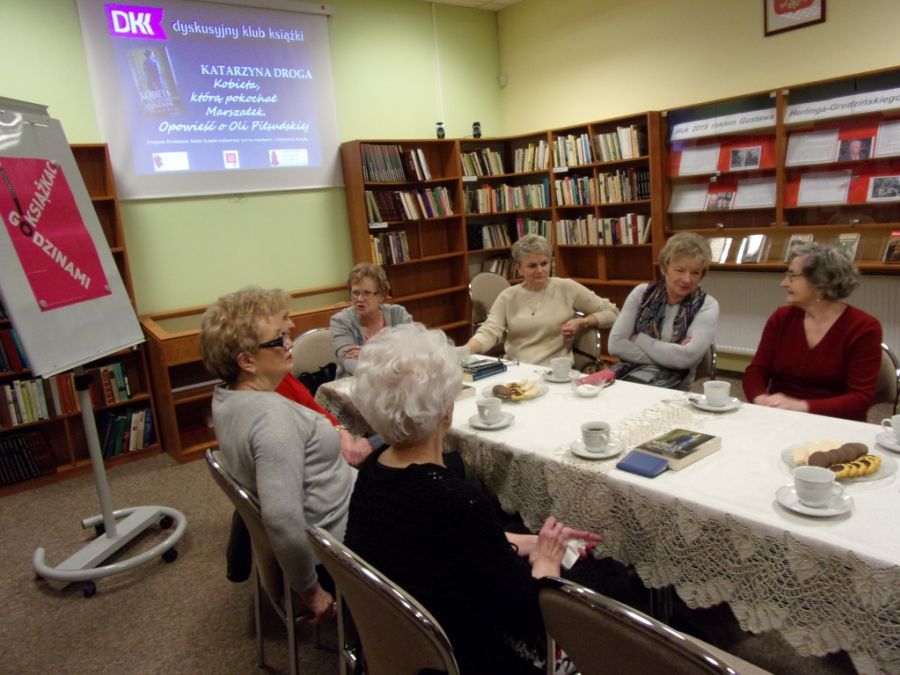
(50,239)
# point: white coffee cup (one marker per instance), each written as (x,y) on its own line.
(489,409)
(560,367)
(595,436)
(463,355)
(717,392)
(815,485)
(892,424)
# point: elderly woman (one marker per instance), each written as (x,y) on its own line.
(817,354)
(288,455)
(666,327)
(352,327)
(537,315)
(429,530)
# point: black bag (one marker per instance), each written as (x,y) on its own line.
(313,381)
(656,376)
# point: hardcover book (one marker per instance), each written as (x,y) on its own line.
(719,246)
(892,249)
(793,241)
(681,447)
(847,242)
(752,249)
(481,368)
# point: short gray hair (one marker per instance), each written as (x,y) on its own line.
(685,245)
(407,378)
(531,243)
(827,269)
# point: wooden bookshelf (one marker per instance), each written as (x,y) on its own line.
(57,426)
(182,387)
(822,162)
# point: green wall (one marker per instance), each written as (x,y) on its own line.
(399,66)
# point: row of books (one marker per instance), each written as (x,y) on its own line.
(109,384)
(493,199)
(24,456)
(623,143)
(484,162)
(12,356)
(572,150)
(626,185)
(632,228)
(502,265)
(533,157)
(390,163)
(123,431)
(576,191)
(494,235)
(754,248)
(385,205)
(23,401)
(526,225)
(388,248)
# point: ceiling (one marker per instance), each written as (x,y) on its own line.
(490,5)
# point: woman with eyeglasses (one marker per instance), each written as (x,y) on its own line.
(288,455)
(817,354)
(365,317)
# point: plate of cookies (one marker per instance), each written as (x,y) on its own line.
(520,390)
(854,462)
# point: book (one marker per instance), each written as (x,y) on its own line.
(848,242)
(481,368)
(681,447)
(752,249)
(719,247)
(642,464)
(465,391)
(793,240)
(892,248)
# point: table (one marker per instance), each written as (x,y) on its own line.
(713,531)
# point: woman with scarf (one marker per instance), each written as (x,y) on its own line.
(666,327)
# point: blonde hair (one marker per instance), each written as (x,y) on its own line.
(229,327)
(685,245)
(371,271)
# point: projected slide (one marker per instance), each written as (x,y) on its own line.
(199,98)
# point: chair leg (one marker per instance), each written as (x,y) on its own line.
(257,619)
(290,624)
(551,654)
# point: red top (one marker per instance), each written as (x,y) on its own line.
(292,388)
(837,377)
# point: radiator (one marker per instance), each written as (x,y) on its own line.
(746,299)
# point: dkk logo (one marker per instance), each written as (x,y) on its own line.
(135,22)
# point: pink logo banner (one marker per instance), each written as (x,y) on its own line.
(131,21)
(48,234)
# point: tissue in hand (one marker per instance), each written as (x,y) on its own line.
(573,552)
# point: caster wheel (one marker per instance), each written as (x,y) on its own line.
(170,555)
(100,529)
(89,589)
(166,522)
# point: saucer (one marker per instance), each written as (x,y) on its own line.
(504,421)
(550,377)
(700,402)
(612,449)
(837,505)
(888,440)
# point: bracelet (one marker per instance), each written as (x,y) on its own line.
(340,427)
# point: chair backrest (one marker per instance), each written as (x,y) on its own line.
(247,505)
(483,290)
(312,350)
(398,635)
(602,635)
(887,388)
(706,369)
(586,350)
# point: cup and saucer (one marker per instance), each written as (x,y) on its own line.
(490,415)
(814,492)
(549,376)
(612,449)
(838,504)
(504,421)
(700,401)
(596,442)
(888,440)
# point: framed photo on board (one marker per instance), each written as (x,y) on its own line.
(782,15)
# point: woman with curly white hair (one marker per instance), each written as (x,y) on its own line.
(430,531)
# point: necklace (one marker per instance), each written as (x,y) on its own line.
(535,308)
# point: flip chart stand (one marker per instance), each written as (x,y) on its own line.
(118,527)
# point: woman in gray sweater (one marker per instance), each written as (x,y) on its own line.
(288,455)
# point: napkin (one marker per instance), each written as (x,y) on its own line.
(601,378)
(574,547)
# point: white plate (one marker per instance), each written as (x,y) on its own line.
(700,402)
(887,468)
(550,377)
(537,391)
(504,421)
(888,440)
(588,390)
(613,449)
(837,505)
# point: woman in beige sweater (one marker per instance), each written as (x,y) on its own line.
(538,315)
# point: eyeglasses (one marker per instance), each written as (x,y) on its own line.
(363,294)
(790,276)
(276,342)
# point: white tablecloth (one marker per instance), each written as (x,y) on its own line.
(713,530)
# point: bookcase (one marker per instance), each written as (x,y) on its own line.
(182,387)
(41,434)
(818,161)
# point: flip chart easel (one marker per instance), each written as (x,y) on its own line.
(62,290)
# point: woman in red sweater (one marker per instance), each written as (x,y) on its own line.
(817,354)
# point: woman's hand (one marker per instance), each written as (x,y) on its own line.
(782,401)
(547,555)
(352,352)
(572,326)
(354,450)
(319,603)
